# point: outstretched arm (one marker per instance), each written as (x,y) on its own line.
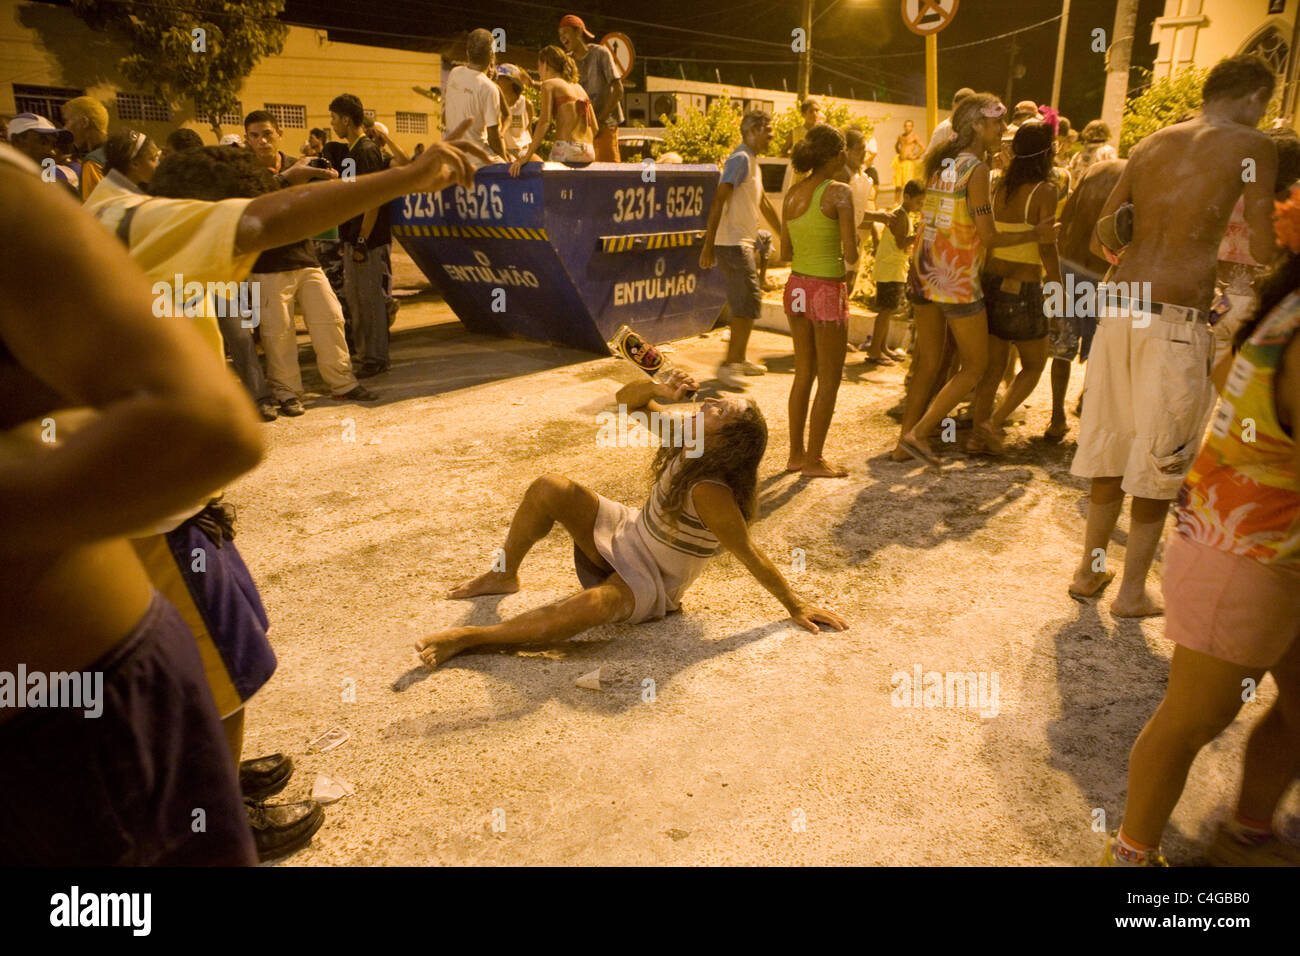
(288,215)
(718,510)
(173,424)
(642,394)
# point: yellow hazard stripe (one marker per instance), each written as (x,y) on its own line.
(654,240)
(477,232)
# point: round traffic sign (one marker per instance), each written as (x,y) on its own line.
(621,47)
(927,17)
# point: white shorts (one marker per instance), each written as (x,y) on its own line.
(1146,401)
(564,151)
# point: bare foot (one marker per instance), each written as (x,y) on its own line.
(493,582)
(1056,430)
(441,646)
(821,468)
(1088,584)
(794,464)
(899,455)
(1144,605)
(920,450)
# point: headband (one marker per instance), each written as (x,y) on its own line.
(994,111)
(137,144)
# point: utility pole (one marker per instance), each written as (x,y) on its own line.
(1060,54)
(805,56)
(1118,58)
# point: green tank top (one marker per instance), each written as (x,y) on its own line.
(816,241)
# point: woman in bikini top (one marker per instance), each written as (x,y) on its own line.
(563,99)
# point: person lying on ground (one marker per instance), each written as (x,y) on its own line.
(635,564)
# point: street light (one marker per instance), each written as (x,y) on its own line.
(807,21)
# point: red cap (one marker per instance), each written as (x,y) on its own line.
(570,20)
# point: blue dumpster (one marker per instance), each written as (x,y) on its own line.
(566,255)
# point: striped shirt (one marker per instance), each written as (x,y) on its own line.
(681,547)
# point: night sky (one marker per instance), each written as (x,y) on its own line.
(860,46)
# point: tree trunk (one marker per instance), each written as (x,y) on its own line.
(1118,60)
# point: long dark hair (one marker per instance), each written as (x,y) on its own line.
(1281,281)
(1031,157)
(967,113)
(731,458)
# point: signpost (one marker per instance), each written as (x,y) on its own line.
(926,18)
(620,46)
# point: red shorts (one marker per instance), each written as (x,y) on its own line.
(817,300)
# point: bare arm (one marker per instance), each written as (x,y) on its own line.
(769,211)
(1122,193)
(787,246)
(721,515)
(539,131)
(615,98)
(840,198)
(639,395)
(1045,207)
(1258,208)
(720,199)
(173,423)
(288,215)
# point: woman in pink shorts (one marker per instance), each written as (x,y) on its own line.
(1232,595)
(819,236)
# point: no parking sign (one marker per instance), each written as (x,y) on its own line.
(928,17)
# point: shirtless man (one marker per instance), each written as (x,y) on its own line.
(1148,392)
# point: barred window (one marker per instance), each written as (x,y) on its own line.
(412,123)
(45,100)
(234,117)
(137,106)
(288,116)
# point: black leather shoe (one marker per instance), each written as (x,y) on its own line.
(359,393)
(370,369)
(263,777)
(268,410)
(283,828)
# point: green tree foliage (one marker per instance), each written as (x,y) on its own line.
(199,50)
(1161,104)
(1165,101)
(834,114)
(706,137)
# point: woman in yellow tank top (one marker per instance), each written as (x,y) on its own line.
(1013,283)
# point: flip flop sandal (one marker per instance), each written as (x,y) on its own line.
(920,454)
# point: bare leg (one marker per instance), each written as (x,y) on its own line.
(559,621)
(1273,751)
(805,373)
(831,339)
(985,393)
(972,337)
(1033,359)
(880,333)
(740,330)
(1104,505)
(931,332)
(549,499)
(1060,382)
(234,728)
(1146,527)
(1203,697)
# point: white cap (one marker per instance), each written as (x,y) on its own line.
(29,123)
(232,139)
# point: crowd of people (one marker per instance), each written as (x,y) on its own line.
(118,551)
